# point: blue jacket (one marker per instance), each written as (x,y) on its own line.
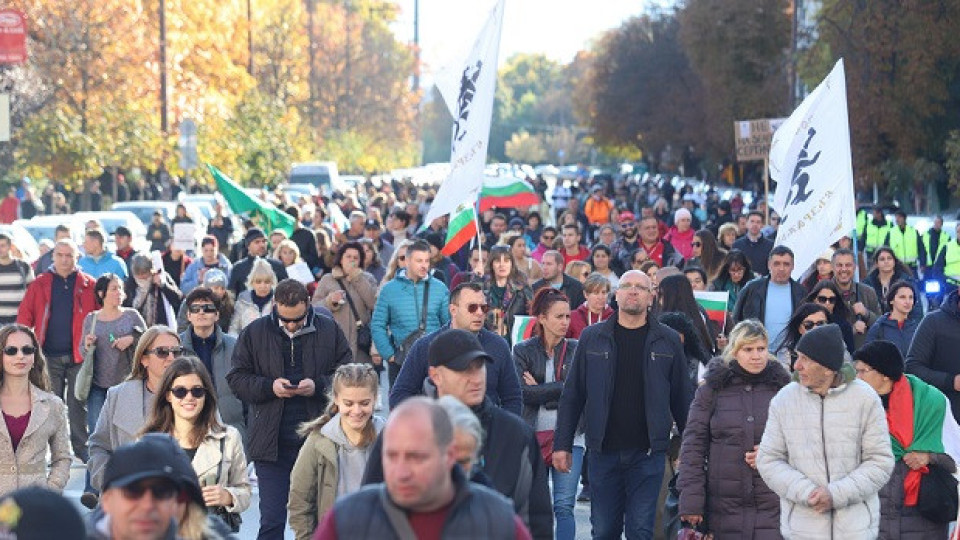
(398,304)
(503,385)
(106,263)
(588,388)
(190,280)
(887,329)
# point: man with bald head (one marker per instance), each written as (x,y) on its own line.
(424,493)
(629,380)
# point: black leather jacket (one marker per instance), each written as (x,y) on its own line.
(530,355)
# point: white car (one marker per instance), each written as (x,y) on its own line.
(145,209)
(23,241)
(110,221)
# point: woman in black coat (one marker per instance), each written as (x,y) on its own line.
(720,488)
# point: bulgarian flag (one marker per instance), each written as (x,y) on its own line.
(462,227)
(715,304)
(507,192)
(523,326)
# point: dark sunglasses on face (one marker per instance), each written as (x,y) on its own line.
(810,325)
(292,320)
(472,308)
(181,392)
(696,244)
(161,491)
(27,350)
(827,299)
(547,238)
(203,308)
(163,352)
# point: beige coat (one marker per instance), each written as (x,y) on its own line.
(233,473)
(47,429)
(313,484)
(362,288)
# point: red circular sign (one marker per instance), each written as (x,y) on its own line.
(13,37)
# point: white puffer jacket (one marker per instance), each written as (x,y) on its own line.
(839,441)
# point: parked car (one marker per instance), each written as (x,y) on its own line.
(111,220)
(22,240)
(145,209)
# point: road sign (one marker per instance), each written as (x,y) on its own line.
(753,138)
(13,37)
(4,117)
(188,144)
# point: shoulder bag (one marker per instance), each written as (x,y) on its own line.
(938,498)
(364,337)
(545,437)
(81,390)
(401,352)
(232,519)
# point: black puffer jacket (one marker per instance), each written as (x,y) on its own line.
(529,355)
(933,352)
(726,420)
(898,522)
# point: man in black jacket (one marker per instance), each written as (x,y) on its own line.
(282,365)
(553,276)
(771,299)
(933,351)
(306,242)
(510,453)
(256,243)
(630,383)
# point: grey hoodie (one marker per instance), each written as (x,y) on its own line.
(351,461)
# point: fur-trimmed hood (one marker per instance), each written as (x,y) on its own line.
(719,375)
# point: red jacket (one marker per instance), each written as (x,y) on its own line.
(580,317)
(35,308)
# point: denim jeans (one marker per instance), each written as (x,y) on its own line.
(565,497)
(273,479)
(624,487)
(95,401)
(63,378)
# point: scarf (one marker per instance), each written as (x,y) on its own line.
(145,302)
(915,418)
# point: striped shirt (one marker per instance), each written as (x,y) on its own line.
(14,278)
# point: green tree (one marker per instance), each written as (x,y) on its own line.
(524,148)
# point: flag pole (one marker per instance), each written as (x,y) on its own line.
(476,219)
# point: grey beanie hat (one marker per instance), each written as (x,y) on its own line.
(824,345)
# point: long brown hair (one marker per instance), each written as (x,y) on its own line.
(353,375)
(543,300)
(137,371)
(38,375)
(161,414)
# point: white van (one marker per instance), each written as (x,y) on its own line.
(321,174)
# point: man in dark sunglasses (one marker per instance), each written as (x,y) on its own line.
(205,340)
(280,365)
(468,308)
(145,486)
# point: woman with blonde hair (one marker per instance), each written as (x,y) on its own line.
(288,253)
(578,270)
(338,444)
(128,403)
(726,236)
(186,409)
(397,261)
(720,488)
(257,300)
(34,420)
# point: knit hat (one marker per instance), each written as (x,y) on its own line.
(215,277)
(37,513)
(252,234)
(824,345)
(883,356)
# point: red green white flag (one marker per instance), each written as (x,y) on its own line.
(523,326)
(715,304)
(507,192)
(462,227)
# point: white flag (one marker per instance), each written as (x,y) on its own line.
(810,160)
(467,85)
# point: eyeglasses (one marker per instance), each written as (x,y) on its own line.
(633,287)
(161,491)
(628,225)
(292,320)
(163,352)
(810,325)
(863,371)
(696,244)
(472,308)
(181,392)
(203,308)
(401,258)
(27,350)
(546,238)
(826,299)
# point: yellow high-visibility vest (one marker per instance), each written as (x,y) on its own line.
(904,244)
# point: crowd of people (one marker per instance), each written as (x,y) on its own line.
(372,386)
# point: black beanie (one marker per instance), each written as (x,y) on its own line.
(824,345)
(883,356)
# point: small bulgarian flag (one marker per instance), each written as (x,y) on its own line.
(461,229)
(523,326)
(506,192)
(715,304)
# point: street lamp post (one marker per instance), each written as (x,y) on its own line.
(163,68)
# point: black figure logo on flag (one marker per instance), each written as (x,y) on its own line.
(798,185)
(468,89)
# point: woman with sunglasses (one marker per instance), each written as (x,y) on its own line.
(186,409)
(542,363)
(332,459)
(896,325)
(128,404)
(34,420)
(506,290)
(806,317)
(579,270)
(828,295)
(350,294)
(600,259)
(706,253)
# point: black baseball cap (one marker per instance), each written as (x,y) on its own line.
(35,513)
(155,455)
(456,349)
(371,224)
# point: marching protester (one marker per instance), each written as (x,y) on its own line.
(595,309)
(933,352)
(507,292)
(210,259)
(925,439)
(808,316)
(152,292)
(887,270)
(553,276)
(863,307)
(256,244)
(828,295)
(332,459)
(833,492)
(351,294)
(771,299)
(257,299)
(896,325)
(720,488)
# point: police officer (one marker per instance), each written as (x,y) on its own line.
(905,242)
(935,240)
(874,232)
